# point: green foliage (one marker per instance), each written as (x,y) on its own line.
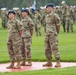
(27,3)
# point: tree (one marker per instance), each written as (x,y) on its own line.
(27,3)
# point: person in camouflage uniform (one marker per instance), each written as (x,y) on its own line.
(37,21)
(74,18)
(64,9)
(31,13)
(70,19)
(43,14)
(18,14)
(14,40)
(4,17)
(58,11)
(27,29)
(51,40)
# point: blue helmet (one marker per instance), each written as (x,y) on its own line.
(50,5)
(11,11)
(25,10)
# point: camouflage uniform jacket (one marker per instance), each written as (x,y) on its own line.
(27,26)
(70,13)
(64,10)
(4,15)
(13,27)
(52,20)
(37,18)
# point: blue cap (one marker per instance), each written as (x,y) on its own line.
(50,5)
(11,11)
(25,10)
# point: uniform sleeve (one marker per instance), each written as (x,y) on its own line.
(31,24)
(7,23)
(57,20)
(19,24)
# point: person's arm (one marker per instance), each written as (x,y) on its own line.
(57,23)
(19,27)
(31,25)
(58,28)
(32,30)
(20,32)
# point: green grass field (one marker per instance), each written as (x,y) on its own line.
(67,47)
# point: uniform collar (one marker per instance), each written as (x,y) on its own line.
(51,13)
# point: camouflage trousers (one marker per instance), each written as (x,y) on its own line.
(51,46)
(4,22)
(44,25)
(26,50)
(14,48)
(38,29)
(64,22)
(70,25)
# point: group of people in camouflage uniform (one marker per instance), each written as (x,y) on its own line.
(68,17)
(67,14)
(4,17)
(21,25)
(19,39)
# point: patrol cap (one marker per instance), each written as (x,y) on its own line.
(25,10)
(50,5)
(15,8)
(11,11)
(3,8)
(63,2)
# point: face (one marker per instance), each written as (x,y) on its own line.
(4,11)
(36,12)
(24,14)
(49,9)
(63,4)
(11,16)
